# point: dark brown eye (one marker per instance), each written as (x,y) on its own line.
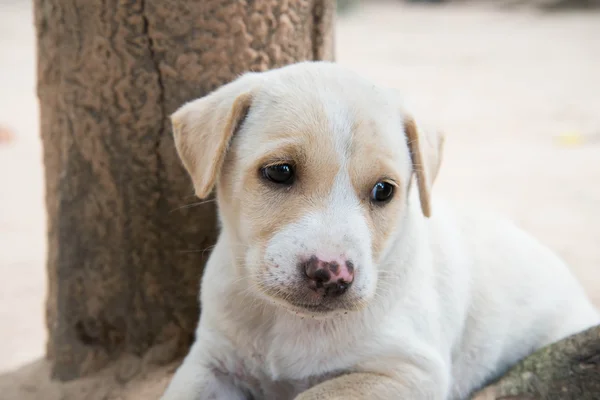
(382,192)
(282,174)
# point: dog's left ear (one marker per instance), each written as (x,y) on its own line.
(203,130)
(426,146)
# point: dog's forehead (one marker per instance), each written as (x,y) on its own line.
(323,108)
(329,89)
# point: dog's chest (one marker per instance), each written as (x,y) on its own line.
(262,386)
(283,364)
(274,375)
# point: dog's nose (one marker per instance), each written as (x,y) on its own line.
(334,276)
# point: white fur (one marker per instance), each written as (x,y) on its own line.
(455,300)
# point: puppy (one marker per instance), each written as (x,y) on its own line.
(335,276)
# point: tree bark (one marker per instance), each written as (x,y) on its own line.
(566,370)
(126,248)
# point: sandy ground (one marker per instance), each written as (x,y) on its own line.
(502,84)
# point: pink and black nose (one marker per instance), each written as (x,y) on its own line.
(332,278)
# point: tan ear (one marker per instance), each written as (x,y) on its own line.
(426,148)
(203,130)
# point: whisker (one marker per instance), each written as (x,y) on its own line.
(196,204)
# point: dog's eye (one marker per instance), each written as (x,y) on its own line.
(280,173)
(382,192)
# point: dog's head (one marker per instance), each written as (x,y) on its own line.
(312,166)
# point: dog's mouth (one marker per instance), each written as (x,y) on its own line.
(322,309)
(302,301)
(315,308)
(306,308)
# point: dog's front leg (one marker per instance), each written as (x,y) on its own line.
(363,385)
(195,380)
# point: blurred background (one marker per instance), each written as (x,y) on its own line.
(514,84)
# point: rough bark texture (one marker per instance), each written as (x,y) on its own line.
(124,256)
(567,370)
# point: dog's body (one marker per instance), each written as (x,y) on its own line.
(423,308)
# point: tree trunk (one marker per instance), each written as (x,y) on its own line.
(126,248)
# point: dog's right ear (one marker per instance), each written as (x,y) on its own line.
(426,147)
(203,130)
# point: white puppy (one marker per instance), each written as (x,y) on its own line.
(335,276)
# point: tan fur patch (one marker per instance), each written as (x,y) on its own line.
(371,161)
(268,207)
(355,386)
